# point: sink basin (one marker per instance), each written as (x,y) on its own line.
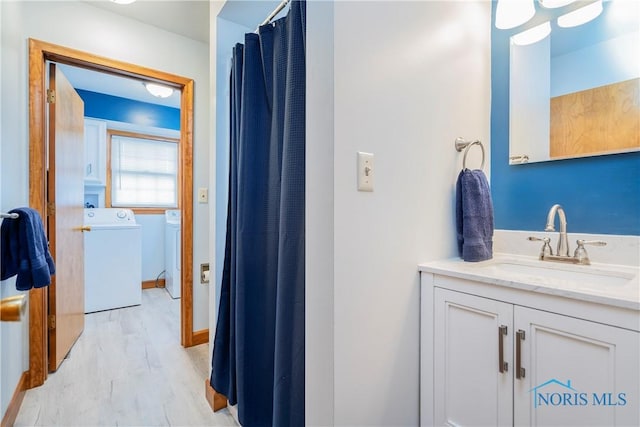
(585,276)
(611,281)
(611,284)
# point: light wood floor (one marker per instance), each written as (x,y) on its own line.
(127,369)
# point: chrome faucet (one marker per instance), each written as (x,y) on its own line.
(562,255)
(563,241)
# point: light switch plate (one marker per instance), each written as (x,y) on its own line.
(365,171)
(203,195)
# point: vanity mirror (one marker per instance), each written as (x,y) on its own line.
(576,92)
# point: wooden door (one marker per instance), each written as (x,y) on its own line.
(65,214)
(469,386)
(577,373)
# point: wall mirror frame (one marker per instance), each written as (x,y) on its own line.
(576,92)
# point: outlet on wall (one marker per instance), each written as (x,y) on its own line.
(204,273)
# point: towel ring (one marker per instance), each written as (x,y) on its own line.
(461,144)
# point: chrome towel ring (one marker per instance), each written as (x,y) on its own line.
(462,144)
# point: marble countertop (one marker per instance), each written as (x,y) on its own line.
(615,285)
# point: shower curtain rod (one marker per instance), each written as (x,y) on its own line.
(277,10)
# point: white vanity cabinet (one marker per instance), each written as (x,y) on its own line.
(501,356)
(594,371)
(468,388)
(95,151)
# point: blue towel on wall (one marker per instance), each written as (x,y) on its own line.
(474,216)
(25,250)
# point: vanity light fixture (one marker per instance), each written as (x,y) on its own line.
(552,4)
(532,35)
(512,13)
(159,91)
(581,16)
(123,1)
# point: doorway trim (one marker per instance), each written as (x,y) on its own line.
(39,53)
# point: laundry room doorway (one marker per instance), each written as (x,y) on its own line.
(40,53)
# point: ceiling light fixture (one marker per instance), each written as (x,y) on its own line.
(552,4)
(158,90)
(581,16)
(512,13)
(123,1)
(532,35)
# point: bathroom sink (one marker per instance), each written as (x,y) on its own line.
(583,276)
(611,284)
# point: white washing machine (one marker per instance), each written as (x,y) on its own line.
(112,259)
(172,243)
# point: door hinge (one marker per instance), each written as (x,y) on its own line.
(52,321)
(51,96)
(51,209)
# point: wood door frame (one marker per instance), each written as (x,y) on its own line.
(39,53)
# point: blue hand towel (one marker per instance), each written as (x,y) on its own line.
(474,216)
(25,250)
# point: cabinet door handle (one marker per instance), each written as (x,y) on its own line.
(502,365)
(520,371)
(89,169)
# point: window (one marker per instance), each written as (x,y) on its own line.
(144,171)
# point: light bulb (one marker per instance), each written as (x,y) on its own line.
(551,4)
(512,13)
(532,35)
(580,16)
(159,90)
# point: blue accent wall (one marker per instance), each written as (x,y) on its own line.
(114,108)
(599,194)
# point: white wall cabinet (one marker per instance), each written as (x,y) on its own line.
(95,151)
(488,361)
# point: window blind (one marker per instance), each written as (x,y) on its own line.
(144,172)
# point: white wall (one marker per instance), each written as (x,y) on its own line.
(14,336)
(81,26)
(319,219)
(408,78)
(14,348)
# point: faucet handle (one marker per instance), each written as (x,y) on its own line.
(546,247)
(581,242)
(581,253)
(539,239)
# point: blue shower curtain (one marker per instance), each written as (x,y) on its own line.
(258,355)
